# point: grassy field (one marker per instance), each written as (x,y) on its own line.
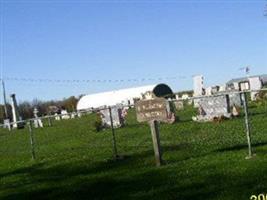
(202,161)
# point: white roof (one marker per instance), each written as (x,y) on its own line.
(112,98)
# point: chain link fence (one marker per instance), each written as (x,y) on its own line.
(203,125)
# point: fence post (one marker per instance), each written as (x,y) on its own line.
(113,134)
(49,121)
(245,104)
(31,140)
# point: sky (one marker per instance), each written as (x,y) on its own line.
(122,40)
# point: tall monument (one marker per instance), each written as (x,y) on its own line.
(14,106)
(198,88)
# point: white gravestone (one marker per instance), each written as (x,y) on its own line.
(222,88)
(65,114)
(79,114)
(198,88)
(73,115)
(37,121)
(57,117)
(179,105)
(7,124)
(255,84)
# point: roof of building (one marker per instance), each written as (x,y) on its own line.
(119,96)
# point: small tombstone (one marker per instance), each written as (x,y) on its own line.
(72,115)
(79,114)
(255,84)
(235,111)
(185,96)
(64,114)
(153,111)
(57,117)
(37,121)
(179,105)
(222,88)
(7,124)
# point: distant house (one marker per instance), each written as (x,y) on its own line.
(245,83)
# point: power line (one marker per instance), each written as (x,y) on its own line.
(19,79)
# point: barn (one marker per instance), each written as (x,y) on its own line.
(123,96)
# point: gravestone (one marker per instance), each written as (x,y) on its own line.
(255,84)
(222,88)
(57,117)
(65,114)
(116,114)
(213,107)
(37,121)
(198,88)
(7,124)
(235,111)
(179,105)
(79,114)
(73,115)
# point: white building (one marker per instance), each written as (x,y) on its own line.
(123,96)
(247,83)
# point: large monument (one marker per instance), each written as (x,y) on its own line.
(198,88)
(15,114)
(14,106)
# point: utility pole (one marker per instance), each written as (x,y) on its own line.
(4,97)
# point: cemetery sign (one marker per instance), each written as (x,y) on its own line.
(151,110)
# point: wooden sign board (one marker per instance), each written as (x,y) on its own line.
(151,110)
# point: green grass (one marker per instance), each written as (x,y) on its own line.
(202,160)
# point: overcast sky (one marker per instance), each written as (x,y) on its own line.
(121,40)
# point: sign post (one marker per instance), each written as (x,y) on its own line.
(153,111)
(154,126)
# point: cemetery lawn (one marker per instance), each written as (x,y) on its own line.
(73,161)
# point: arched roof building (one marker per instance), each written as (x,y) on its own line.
(121,96)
